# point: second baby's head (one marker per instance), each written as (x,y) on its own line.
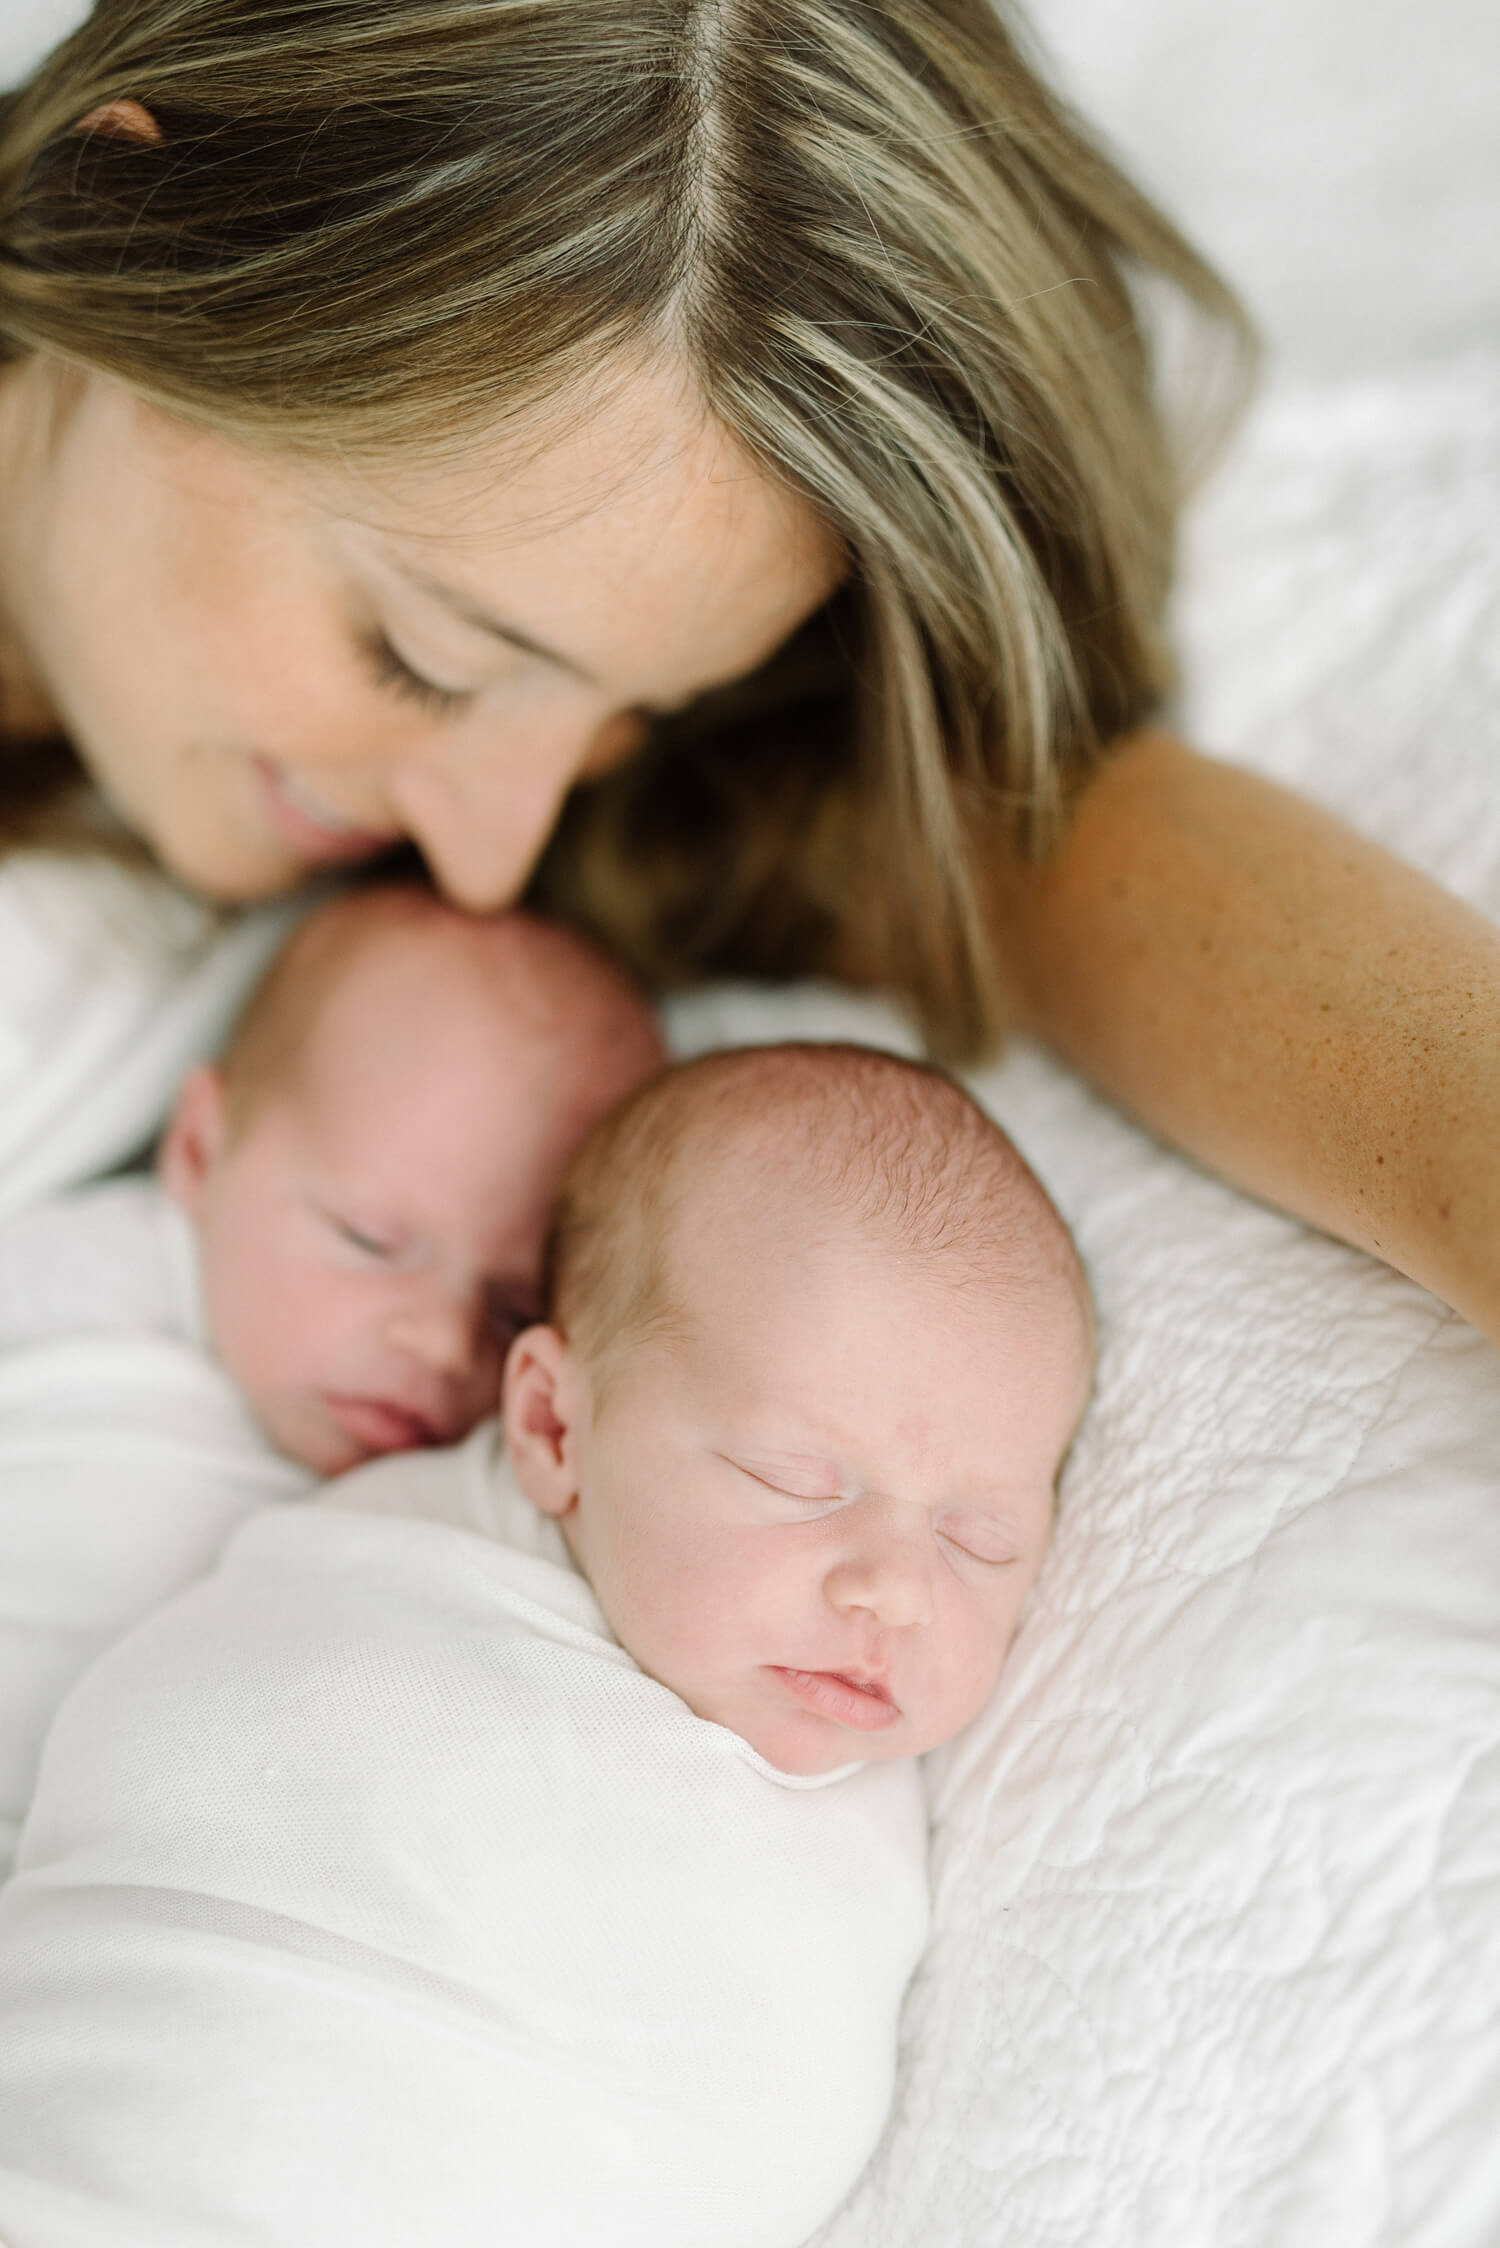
(369,1169)
(817,1346)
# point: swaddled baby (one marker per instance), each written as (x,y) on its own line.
(346,1235)
(527,1844)
(351,1203)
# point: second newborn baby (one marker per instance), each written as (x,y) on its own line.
(534,1841)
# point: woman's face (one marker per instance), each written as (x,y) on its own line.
(271,668)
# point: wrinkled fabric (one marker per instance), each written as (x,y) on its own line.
(371,1891)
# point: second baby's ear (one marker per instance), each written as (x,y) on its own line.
(194,1139)
(542,1404)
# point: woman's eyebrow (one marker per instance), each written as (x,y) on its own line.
(472,612)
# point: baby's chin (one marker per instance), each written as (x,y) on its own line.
(321,1448)
(805,1746)
(809,1758)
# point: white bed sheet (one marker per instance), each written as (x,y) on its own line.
(1217,1927)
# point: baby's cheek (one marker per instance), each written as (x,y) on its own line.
(284,1339)
(976,1651)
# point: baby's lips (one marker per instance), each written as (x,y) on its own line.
(377,1425)
(846,1698)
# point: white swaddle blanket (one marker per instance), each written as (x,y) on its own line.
(372,1893)
(125,1463)
(112,982)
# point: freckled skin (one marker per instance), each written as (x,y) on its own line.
(1322,1056)
(198,617)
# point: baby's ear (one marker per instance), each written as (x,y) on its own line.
(194,1139)
(542,1403)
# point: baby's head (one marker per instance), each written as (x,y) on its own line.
(818,1343)
(370,1167)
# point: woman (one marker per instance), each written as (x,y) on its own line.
(702,462)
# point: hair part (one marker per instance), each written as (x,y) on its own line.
(860,1141)
(902,275)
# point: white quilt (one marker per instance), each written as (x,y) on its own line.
(1217,1949)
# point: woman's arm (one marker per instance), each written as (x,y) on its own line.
(1281,999)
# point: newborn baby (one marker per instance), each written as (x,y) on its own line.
(365,1176)
(818,1344)
(531,1847)
(351,1220)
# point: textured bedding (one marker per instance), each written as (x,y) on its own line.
(1217,1878)
(1216,1960)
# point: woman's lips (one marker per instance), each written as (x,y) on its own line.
(314,830)
(867,1708)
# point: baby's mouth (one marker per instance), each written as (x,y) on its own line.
(861,1703)
(378,1426)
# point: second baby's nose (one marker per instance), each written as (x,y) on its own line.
(445,1332)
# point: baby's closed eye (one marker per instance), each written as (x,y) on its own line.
(982,1537)
(366,1239)
(788,1483)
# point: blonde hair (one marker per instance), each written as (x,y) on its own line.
(901,273)
(848,1137)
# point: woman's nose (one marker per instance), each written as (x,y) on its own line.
(481,814)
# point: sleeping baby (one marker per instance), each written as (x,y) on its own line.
(349,1217)
(525,1843)
(351,1204)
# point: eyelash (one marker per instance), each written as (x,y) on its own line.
(985,1560)
(799,1498)
(366,1243)
(397,677)
(802,1498)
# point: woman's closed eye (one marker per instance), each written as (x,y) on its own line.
(392,671)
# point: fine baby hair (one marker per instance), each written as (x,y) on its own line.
(368,1170)
(555,992)
(896,1150)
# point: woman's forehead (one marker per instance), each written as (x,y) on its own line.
(619,461)
(630,535)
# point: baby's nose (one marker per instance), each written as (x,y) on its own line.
(445,1332)
(889,1576)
